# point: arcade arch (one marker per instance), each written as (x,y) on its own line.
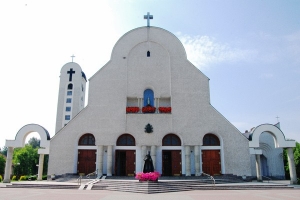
(20,142)
(279,140)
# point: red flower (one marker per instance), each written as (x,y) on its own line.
(165,109)
(150,176)
(132,109)
(148,109)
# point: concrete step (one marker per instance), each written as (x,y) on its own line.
(174,186)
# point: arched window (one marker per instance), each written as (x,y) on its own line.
(87,140)
(70,86)
(148,97)
(126,140)
(148,53)
(171,140)
(211,140)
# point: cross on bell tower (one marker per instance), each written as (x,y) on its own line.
(71,72)
(148,17)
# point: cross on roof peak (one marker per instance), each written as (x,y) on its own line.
(148,17)
(72,57)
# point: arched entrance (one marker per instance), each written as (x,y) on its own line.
(125,158)
(20,142)
(211,158)
(171,159)
(279,140)
(86,157)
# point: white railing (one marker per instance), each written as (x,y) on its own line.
(212,178)
(91,174)
(79,180)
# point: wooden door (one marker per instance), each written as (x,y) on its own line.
(130,162)
(171,160)
(125,163)
(86,161)
(167,163)
(211,162)
(176,162)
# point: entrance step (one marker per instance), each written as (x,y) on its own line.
(176,186)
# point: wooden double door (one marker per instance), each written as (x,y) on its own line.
(211,162)
(86,161)
(125,163)
(171,162)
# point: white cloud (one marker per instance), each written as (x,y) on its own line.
(203,51)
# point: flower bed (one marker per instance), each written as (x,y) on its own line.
(165,109)
(132,109)
(148,109)
(150,176)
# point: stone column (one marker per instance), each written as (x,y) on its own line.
(100,160)
(109,160)
(10,151)
(197,160)
(187,161)
(143,154)
(153,155)
(292,168)
(258,167)
(41,166)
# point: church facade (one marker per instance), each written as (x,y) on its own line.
(148,98)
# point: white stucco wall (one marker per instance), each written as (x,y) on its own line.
(170,75)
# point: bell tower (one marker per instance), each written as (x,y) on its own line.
(71,96)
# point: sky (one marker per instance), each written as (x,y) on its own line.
(249,49)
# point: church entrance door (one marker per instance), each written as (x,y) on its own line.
(211,160)
(125,163)
(171,160)
(86,161)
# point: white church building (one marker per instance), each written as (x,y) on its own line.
(148,98)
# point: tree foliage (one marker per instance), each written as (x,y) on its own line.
(2,164)
(3,151)
(34,142)
(25,160)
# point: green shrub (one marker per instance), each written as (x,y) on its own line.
(44,177)
(23,178)
(14,178)
(1,178)
(32,178)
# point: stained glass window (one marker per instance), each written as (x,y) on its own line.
(126,140)
(87,140)
(211,140)
(171,140)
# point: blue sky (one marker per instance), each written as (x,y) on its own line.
(250,50)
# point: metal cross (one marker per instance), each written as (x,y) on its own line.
(72,57)
(71,72)
(148,17)
(277,119)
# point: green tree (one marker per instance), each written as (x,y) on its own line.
(2,164)
(34,142)
(25,160)
(3,151)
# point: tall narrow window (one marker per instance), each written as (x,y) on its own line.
(148,98)
(70,86)
(148,53)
